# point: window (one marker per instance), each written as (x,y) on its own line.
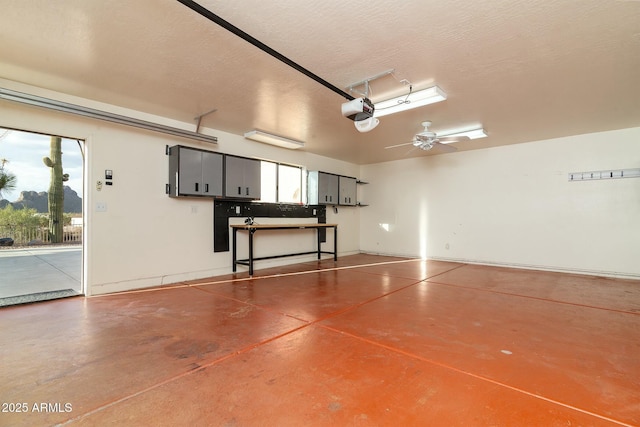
(281,183)
(268,182)
(289,183)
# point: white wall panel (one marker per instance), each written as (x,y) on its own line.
(144,238)
(512,205)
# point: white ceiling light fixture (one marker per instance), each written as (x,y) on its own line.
(412,100)
(471,134)
(268,138)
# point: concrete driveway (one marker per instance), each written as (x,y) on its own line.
(33,270)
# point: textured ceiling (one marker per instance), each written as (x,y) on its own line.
(523,70)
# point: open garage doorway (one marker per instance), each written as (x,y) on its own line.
(41,217)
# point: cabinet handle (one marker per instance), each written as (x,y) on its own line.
(247,191)
(206,188)
(326,198)
(239,191)
(197,187)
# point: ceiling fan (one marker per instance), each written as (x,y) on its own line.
(427,140)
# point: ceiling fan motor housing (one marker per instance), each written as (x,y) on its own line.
(426,136)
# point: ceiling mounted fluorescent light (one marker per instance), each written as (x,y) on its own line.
(407,102)
(471,134)
(267,138)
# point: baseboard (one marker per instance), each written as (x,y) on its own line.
(176,279)
(555,269)
(153,282)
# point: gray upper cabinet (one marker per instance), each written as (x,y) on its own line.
(348,190)
(242,178)
(194,172)
(330,189)
(323,188)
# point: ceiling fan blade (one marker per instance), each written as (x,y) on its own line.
(411,150)
(398,145)
(444,147)
(449,139)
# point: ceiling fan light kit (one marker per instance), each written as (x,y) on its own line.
(276,140)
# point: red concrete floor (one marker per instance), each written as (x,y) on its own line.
(369,341)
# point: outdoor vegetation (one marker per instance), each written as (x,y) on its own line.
(7,179)
(28,226)
(56,195)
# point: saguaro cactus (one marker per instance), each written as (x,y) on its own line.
(56,190)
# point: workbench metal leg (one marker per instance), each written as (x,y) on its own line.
(251,251)
(335,243)
(235,257)
(319,246)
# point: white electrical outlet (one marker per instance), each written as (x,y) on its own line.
(101,207)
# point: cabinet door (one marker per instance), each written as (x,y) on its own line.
(348,188)
(189,172)
(322,188)
(211,177)
(234,174)
(329,185)
(242,178)
(252,181)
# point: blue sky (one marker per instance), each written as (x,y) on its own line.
(25,151)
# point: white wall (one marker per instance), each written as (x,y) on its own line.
(146,238)
(506,205)
(512,206)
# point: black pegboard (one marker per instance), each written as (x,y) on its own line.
(225,209)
